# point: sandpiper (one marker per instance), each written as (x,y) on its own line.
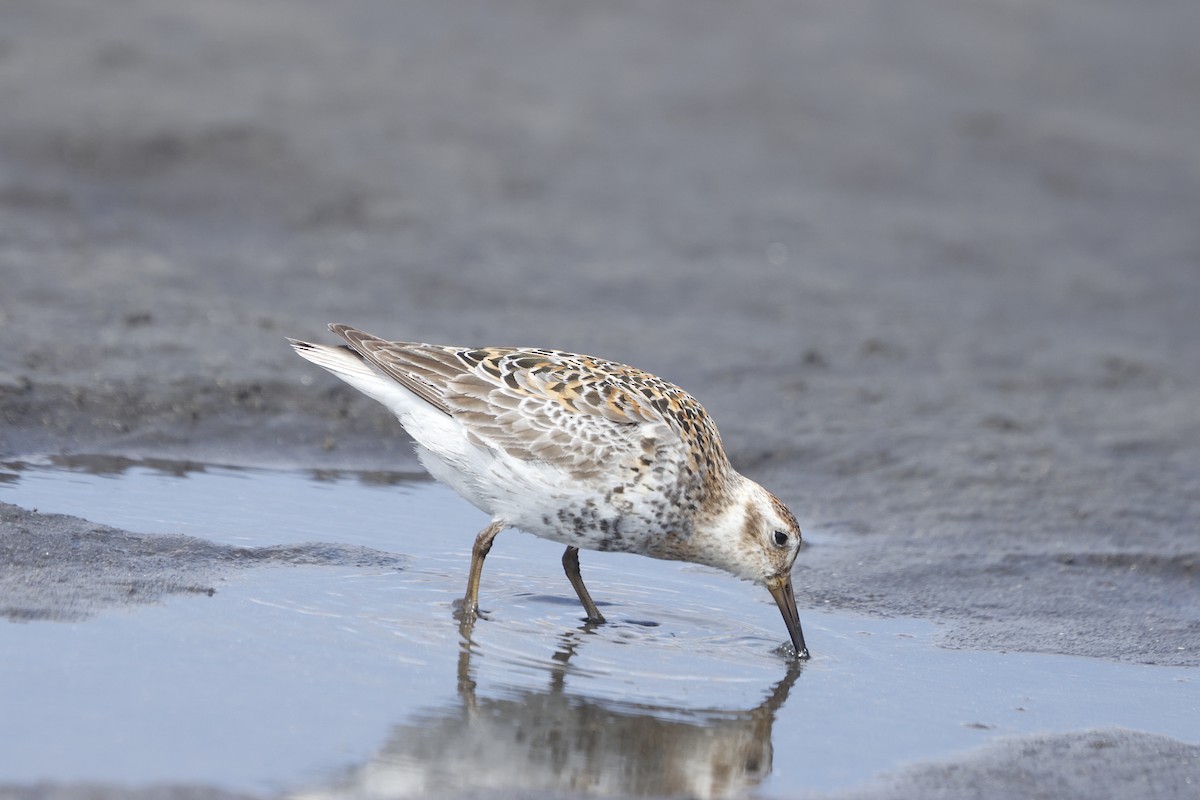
(585,452)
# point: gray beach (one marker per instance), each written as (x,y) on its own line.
(933,267)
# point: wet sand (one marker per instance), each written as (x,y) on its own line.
(933,269)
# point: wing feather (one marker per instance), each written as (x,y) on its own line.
(574,411)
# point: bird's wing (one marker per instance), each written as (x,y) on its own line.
(574,411)
(416,367)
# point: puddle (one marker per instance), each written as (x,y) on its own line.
(335,680)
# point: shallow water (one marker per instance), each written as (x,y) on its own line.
(331,680)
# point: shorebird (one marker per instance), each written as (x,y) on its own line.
(585,452)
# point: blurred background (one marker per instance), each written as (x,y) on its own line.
(933,266)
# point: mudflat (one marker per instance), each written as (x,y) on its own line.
(934,269)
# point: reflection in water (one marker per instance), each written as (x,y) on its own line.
(553,740)
(98,464)
(116,466)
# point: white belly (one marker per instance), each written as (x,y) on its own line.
(545,501)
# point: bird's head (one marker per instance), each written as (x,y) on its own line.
(757,538)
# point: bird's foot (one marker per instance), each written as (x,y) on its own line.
(465,614)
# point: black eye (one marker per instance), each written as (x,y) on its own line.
(781,539)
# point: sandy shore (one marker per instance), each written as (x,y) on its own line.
(935,270)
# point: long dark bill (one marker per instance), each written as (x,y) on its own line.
(785,598)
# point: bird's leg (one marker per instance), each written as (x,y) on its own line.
(483,544)
(570,561)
